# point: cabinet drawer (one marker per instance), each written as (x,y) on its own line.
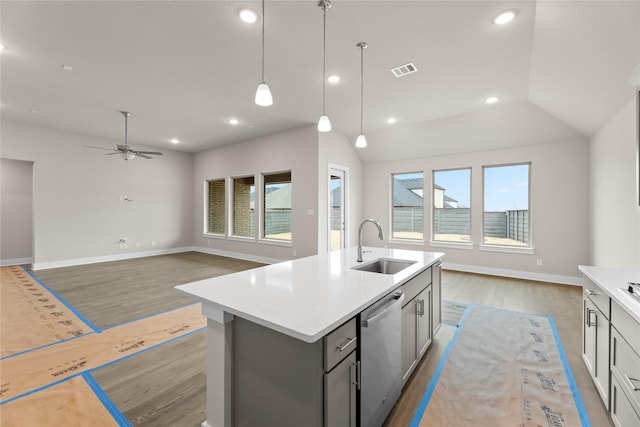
(597,295)
(622,412)
(416,285)
(625,365)
(626,325)
(339,343)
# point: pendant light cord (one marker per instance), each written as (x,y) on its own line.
(324,53)
(362,46)
(262,41)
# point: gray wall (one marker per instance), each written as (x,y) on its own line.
(295,150)
(615,216)
(559,183)
(16,212)
(78,215)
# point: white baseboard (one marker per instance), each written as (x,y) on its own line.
(237,255)
(516,274)
(15,261)
(107,258)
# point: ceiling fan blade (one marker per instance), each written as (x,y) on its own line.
(143,156)
(155,153)
(111,154)
(100,148)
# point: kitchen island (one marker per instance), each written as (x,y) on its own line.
(296,303)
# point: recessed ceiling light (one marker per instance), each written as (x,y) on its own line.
(391,120)
(333,79)
(175,141)
(233,121)
(35,111)
(504,18)
(491,100)
(248,16)
(66,67)
(2,47)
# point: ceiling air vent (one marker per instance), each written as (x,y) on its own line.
(403,70)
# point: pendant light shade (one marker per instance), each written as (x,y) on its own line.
(361,141)
(324,124)
(263,93)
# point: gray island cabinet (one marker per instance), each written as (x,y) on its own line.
(283,340)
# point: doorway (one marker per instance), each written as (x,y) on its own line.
(338,207)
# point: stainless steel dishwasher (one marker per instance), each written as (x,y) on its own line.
(380,359)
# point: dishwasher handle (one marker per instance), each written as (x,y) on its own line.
(397,299)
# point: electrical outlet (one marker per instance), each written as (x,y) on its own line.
(122,243)
(539,262)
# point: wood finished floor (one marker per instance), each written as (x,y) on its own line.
(166,385)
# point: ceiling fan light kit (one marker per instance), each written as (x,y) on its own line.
(126,151)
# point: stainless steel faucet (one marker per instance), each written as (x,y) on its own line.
(373,221)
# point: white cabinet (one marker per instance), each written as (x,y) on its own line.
(595,345)
(417,322)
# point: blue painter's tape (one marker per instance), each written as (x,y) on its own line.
(436,375)
(69,306)
(582,411)
(106,401)
(44,346)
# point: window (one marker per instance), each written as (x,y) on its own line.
(215,206)
(452,206)
(243,206)
(277,206)
(406,216)
(506,205)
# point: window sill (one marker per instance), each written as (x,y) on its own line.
(242,239)
(507,249)
(416,242)
(451,245)
(214,236)
(285,243)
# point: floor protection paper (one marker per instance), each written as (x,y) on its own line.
(502,368)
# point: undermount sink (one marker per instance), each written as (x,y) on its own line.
(385,266)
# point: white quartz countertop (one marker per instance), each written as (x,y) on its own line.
(614,282)
(308,297)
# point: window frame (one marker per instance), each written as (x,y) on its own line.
(525,249)
(262,209)
(447,243)
(206,216)
(231,207)
(404,240)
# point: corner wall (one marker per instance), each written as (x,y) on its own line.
(615,216)
(77,212)
(295,150)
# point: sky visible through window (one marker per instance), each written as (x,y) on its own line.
(457,185)
(506,188)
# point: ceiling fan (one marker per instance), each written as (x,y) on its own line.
(126,151)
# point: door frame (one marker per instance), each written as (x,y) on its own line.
(343,172)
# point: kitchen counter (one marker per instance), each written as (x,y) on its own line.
(306,298)
(614,282)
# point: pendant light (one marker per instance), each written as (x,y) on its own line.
(263,94)
(361,141)
(324,124)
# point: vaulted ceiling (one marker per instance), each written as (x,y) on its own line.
(560,70)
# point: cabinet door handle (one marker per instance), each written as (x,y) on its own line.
(420,307)
(356,382)
(346,344)
(593,323)
(590,292)
(632,382)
